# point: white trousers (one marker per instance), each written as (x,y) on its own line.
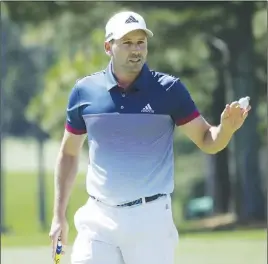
(141,234)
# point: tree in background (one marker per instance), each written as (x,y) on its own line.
(22,76)
(250,202)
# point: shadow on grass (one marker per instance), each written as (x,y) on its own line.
(219,223)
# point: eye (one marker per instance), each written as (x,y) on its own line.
(140,42)
(127,42)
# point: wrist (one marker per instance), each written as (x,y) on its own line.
(59,215)
(226,131)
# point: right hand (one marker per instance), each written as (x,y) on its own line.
(59,228)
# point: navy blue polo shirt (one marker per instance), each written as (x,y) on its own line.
(130,133)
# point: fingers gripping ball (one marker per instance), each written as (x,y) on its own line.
(244,102)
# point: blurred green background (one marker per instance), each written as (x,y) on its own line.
(218,49)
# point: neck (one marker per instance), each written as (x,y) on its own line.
(124,79)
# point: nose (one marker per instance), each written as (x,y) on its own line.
(136,47)
(135,54)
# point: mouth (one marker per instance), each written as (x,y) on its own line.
(137,60)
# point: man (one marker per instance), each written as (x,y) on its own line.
(129,113)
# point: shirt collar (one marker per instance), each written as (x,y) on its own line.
(139,83)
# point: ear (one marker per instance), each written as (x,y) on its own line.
(108,48)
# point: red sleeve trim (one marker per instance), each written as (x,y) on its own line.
(189,118)
(74,131)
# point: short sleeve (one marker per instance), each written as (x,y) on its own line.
(75,123)
(184,109)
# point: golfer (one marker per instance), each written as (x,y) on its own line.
(128,113)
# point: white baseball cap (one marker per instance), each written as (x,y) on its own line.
(124,22)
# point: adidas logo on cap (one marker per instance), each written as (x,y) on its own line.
(131,19)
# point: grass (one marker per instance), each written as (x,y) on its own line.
(42,239)
(25,233)
(217,248)
(221,252)
(21,212)
(21,208)
(259,234)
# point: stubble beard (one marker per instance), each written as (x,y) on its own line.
(132,67)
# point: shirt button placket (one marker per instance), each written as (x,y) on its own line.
(123,95)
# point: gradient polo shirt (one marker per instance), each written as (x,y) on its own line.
(130,134)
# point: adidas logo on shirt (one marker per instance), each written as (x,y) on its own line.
(147,109)
(131,19)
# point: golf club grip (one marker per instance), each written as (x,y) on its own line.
(58,252)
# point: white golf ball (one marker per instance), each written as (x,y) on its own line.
(244,102)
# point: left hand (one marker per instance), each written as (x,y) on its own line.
(233,117)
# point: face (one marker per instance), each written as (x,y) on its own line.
(130,52)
